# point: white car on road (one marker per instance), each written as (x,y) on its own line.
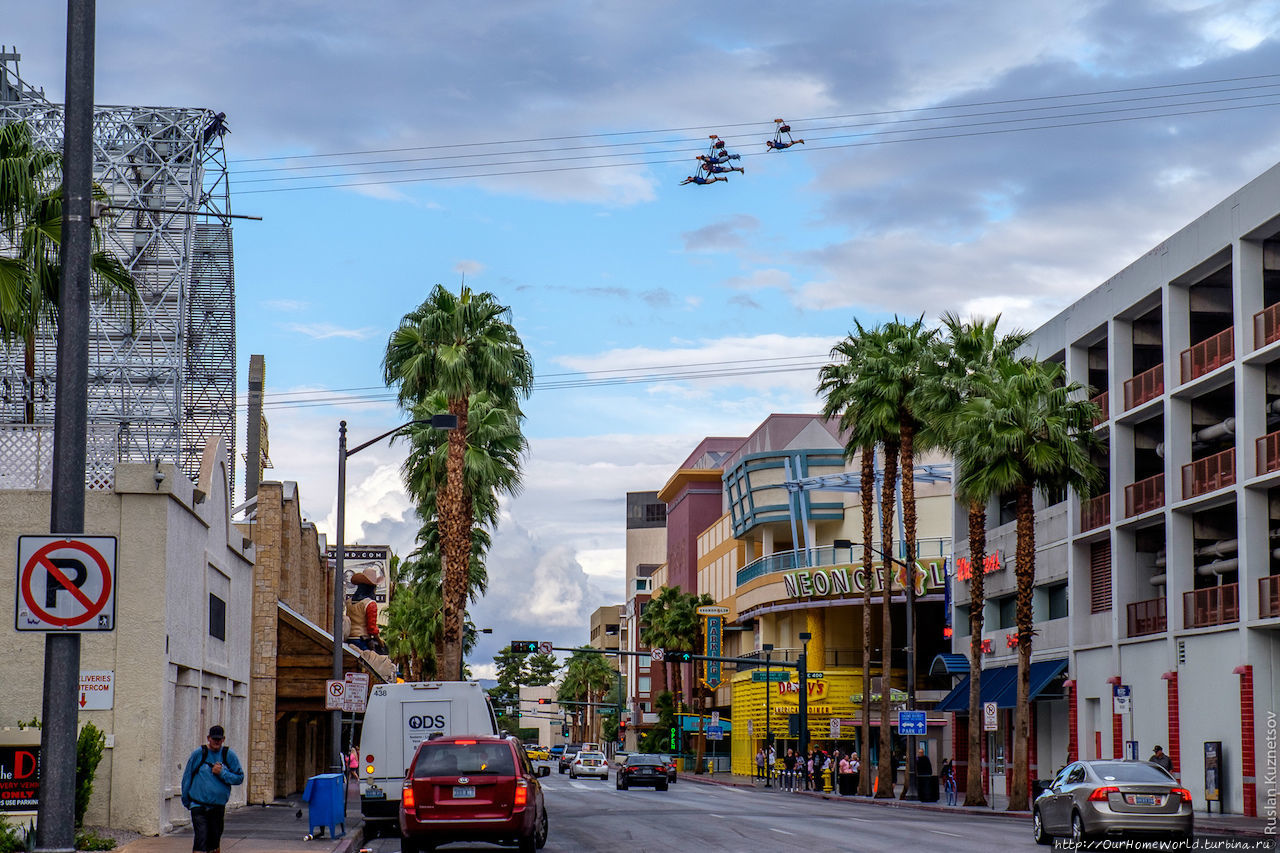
(589,764)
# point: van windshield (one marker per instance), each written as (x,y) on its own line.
(474,759)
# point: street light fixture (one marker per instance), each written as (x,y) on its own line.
(461,668)
(444,422)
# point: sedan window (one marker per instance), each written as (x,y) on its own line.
(1132,771)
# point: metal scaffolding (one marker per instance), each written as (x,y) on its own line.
(161,377)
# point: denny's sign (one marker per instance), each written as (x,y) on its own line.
(845,579)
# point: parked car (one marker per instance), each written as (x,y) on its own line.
(472,788)
(642,770)
(671,767)
(589,764)
(556,751)
(566,757)
(1105,798)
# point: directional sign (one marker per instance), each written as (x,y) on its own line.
(772,675)
(66,583)
(97,690)
(911,723)
(713,631)
(715,732)
(656,655)
(334,691)
(989,717)
(712,610)
(544,647)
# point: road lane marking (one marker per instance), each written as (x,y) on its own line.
(781,831)
(940,832)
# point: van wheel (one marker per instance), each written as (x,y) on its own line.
(540,835)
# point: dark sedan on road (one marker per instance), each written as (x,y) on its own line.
(1092,799)
(641,770)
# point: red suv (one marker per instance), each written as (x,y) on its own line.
(472,788)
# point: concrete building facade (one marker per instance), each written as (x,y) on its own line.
(1168,582)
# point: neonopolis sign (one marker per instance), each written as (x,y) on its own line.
(841,580)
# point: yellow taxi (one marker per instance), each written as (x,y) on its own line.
(538,753)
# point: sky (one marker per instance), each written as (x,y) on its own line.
(1002,157)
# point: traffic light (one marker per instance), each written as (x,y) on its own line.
(564,731)
(524,647)
(681,657)
(544,701)
(499,713)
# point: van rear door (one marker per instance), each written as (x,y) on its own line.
(420,719)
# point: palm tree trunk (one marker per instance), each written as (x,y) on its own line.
(1025,569)
(868,484)
(455,541)
(973,793)
(909,534)
(884,787)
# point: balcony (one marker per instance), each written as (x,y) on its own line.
(1216,605)
(829,555)
(1095,512)
(1103,412)
(1147,617)
(1209,474)
(1144,495)
(1266,326)
(1209,355)
(1269,453)
(1143,387)
(1269,596)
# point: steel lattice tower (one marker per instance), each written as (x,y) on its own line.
(161,377)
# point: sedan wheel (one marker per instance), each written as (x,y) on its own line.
(1037,823)
(1078,835)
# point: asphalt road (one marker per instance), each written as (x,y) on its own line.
(587,814)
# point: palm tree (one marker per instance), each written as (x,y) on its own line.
(970,349)
(667,625)
(457,346)
(587,678)
(31,234)
(1036,429)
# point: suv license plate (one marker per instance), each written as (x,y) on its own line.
(1142,800)
(464,792)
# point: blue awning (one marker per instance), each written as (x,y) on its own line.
(1000,685)
(949,664)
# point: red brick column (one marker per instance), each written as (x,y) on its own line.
(1073,722)
(1248,765)
(1175,725)
(1117,734)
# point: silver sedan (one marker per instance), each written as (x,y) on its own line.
(1090,799)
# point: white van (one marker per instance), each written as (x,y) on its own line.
(398,718)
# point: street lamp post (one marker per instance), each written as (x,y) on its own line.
(803,667)
(461,666)
(768,723)
(435,421)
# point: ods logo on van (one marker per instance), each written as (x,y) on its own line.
(426,721)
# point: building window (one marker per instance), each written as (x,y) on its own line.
(217,617)
(961,620)
(644,660)
(644,683)
(642,584)
(655,513)
(1008,610)
(1100,577)
(1057,595)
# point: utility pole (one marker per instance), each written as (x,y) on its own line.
(768,722)
(803,666)
(55,831)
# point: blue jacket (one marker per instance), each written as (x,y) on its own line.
(200,787)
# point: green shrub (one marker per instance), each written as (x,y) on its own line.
(16,839)
(93,841)
(89,747)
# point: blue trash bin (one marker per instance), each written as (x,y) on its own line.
(326,798)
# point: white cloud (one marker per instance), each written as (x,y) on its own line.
(468,267)
(324,331)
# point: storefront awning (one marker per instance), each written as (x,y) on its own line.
(949,664)
(1000,685)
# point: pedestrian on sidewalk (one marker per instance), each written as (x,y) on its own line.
(206,785)
(949,781)
(846,776)
(789,766)
(353,765)
(857,771)
(771,763)
(760,763)
(1159,758)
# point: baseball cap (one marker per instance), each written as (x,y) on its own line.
(217,732)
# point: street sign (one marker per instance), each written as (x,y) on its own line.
(749,728)
(715,718)
(334,691)
(835,728)
(714,626)
(656,655)
(97,690)
(355,695)
(66,583)
(761,675)
(715,732)
(990,720)
(1122,698)
(817,675)
(911,723)
(544,647)
(712,610)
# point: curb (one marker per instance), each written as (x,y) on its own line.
(976,811)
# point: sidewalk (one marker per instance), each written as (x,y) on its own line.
(266,829)
(1232,825)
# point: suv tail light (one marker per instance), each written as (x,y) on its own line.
(406,797)
(522,794)
(1100,794)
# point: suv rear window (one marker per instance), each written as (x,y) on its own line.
(473,759)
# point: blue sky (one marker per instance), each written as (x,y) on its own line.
(620,267)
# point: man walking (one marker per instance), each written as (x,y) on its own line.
(1159,758)
(206,785)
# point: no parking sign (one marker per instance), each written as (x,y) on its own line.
(66,583)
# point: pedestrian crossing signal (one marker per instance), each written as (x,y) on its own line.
(524,647)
